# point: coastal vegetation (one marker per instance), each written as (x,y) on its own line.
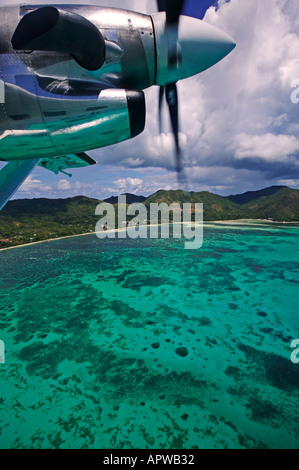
(30,220)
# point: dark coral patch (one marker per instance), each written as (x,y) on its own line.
(183,352)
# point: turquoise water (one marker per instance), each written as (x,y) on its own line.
(142,344)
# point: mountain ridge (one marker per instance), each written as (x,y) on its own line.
(131,198)
(249,196)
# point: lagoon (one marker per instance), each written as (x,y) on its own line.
(122,343)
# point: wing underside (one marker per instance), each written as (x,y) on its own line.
(61,163)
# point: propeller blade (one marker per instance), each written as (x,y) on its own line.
(172,101)
(161,5)
(173,106)
(173,9)
(161,96)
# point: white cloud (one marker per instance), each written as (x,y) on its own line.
(126,185)
(33,185)
(64,185)
(69,185)
(268,147)
(293,183)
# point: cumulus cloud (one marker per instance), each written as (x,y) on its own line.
(268,147)
(64,185)
(33,186)
(150,182)
(126,185)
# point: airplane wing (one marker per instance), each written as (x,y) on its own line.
(12,176)
(15,172)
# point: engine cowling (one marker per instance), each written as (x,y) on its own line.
(69,125)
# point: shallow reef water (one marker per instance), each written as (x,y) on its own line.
(126,344)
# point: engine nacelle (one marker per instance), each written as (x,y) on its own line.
(70,125)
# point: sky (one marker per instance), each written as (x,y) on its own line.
(239,128)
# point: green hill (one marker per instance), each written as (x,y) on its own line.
(282,205)
(277,202)
(250,196)
(29,220)
(215,207)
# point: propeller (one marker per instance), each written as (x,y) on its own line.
(173,10)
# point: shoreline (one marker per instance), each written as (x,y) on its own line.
(252,222)
(244,222)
